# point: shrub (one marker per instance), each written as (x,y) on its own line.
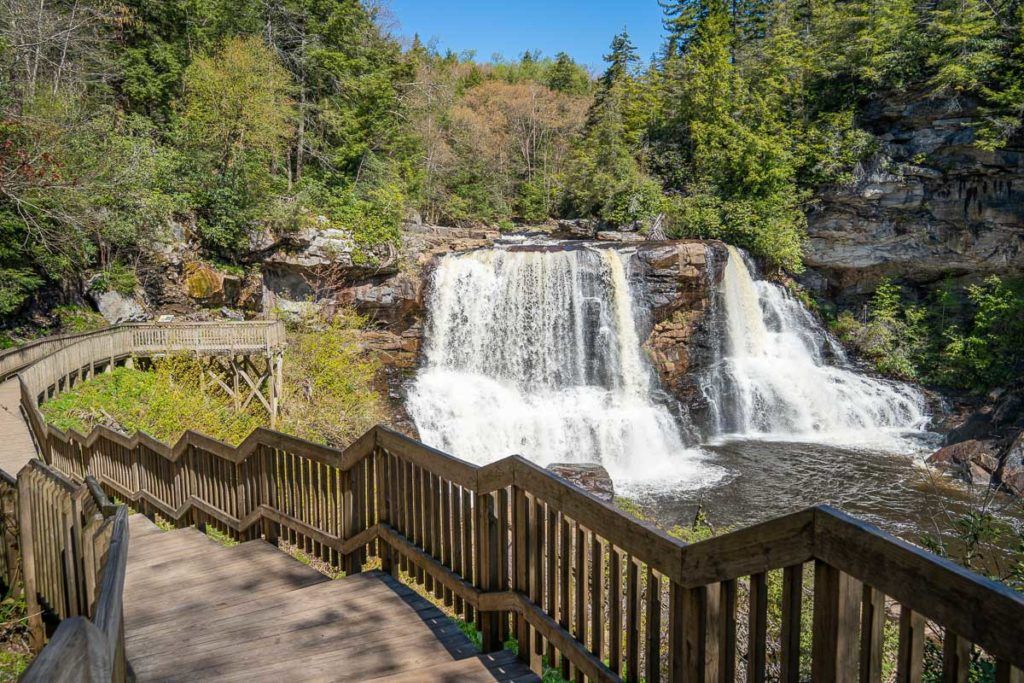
(116,277)
(988,352)
(893,338)
(16,286)
(75,319)
(329,382)
(163,403)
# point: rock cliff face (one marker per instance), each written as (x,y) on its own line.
(680,279)
(928,204)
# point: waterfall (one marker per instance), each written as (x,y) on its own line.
(775,378)
(535,351)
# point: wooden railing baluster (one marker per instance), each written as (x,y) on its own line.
(653,655)
(792,613)
(837,602)
(757,628)
(910,658)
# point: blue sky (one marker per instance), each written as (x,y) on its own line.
(582,28)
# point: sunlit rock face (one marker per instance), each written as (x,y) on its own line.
(927,205)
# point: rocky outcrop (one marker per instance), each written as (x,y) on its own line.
(116,308)
(209,286)
(929,204)
(679,279)
(988,446)
(591,477)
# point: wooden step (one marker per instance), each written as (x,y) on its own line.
(197,610)
(499,666)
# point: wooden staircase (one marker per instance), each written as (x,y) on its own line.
(198,610)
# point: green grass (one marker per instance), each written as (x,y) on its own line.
(163,403)
(14,653)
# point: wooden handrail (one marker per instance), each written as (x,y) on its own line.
(395,499)
(84,649)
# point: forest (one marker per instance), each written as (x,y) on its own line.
(120,119)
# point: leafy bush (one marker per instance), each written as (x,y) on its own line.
(970,345)
(989,351)
(116,277)
(329,382)
(16,286)
(894,336)
(771,227)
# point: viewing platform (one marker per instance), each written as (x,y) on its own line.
(422,541)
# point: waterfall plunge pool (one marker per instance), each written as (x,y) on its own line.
(534,349)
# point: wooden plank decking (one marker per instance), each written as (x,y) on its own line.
(196,610)
(16,446)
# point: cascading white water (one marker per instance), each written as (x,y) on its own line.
(535,351)
(774,380)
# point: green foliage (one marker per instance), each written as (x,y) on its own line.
(329,394)
(16,286)
(76,319)
(894,336)
(604,178)
(974,345)
(163,403)
(247,115)
(15,655)
(1004,114)
(566,76)
(235,122)
(988,351)
(967,46)
(116,277)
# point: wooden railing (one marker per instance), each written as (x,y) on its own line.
(511,548)
(13,360)
(580,585)
(69,360)
(91,647)
(66,544)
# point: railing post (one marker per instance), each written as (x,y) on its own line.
(36,633)
(486,551)
(837,601)
(381,479)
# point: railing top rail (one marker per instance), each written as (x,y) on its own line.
(983,611)
(111,591)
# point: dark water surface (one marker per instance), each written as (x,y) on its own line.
(769,479)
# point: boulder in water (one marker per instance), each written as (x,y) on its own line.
(974,460)
(591,477)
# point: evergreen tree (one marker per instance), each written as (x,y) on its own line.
(605,178)
(565,75)
(967,47)
(1004,113)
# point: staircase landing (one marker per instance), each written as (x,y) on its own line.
(197,610)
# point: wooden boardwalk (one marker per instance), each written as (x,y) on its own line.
(16,446)
(197,610)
